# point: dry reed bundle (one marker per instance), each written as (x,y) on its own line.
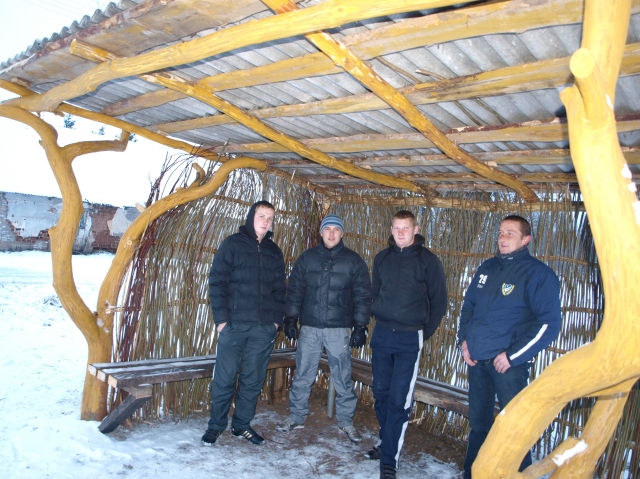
(167,313)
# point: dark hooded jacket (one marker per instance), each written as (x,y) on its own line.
(409,288)
(329,288)
(247,278)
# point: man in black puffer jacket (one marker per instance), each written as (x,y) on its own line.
(329,291)
(247,291)
(409,292)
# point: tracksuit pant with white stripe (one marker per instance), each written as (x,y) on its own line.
(395,361)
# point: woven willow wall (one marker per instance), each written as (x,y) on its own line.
(166,312)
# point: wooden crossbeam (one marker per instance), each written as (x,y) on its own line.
(556,156)
(552,73)
(206,95)
(497,17)
(328,14)
(551,130)
(345,58)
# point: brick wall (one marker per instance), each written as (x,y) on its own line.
(25,221)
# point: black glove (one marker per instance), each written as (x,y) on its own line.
(358,337)
(290,328)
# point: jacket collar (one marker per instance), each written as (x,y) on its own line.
(333,251)
(252,235)
(516,255)
(418,242)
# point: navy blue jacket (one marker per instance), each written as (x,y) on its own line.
(409,288)
(512,305)
(247,282)
(329,288)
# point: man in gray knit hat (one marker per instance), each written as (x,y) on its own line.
(329,292)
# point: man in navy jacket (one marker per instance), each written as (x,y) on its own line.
(409,293)
(247,291)
(511,312)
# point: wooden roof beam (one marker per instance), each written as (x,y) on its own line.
(557,156)
(360,70)
(328,14)
(552,130)
(150,135)
(460,178)
(496,17)
(206,95)
(516,79)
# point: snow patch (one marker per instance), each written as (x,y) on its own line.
(560,459)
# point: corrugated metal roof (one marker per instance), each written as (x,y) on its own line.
(349,132)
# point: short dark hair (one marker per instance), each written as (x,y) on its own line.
(525,226)
(404,215)
(264,203)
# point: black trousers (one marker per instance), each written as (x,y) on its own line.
(242,358)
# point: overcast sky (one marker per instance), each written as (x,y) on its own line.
(119,179)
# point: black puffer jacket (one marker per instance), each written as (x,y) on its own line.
(409,288)
(329,288)
(247,279)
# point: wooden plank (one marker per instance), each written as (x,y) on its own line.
(551,130)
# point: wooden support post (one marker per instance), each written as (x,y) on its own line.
(137,397)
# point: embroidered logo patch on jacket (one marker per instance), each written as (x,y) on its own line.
(507,288)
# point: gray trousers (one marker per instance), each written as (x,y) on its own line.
(310,343)
(245,349)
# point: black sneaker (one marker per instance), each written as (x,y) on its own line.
(249,434)
(387,471)
(373,453)
(211,436)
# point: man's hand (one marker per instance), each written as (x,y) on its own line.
(465,354)
(291,328)
(501,363)
(358,337)
(221,326)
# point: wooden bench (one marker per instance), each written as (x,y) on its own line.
(138,377)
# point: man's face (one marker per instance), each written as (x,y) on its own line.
(510,238)
(331,236)
(262,220)
(403,232)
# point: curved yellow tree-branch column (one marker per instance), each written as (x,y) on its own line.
(609,366)
(62,238)
(130,240)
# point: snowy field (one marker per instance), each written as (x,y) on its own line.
(42,364)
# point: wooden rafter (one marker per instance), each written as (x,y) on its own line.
(207,96)
(345,58)
(486,19)
(557,156)
(153,136)
(328,14)
(516,79)
(551,130)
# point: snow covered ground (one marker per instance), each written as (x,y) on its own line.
(42,364)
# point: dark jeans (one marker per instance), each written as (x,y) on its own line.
(243,348)
(484,384)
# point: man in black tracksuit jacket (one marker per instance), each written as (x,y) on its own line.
(409,293)
(247,292)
